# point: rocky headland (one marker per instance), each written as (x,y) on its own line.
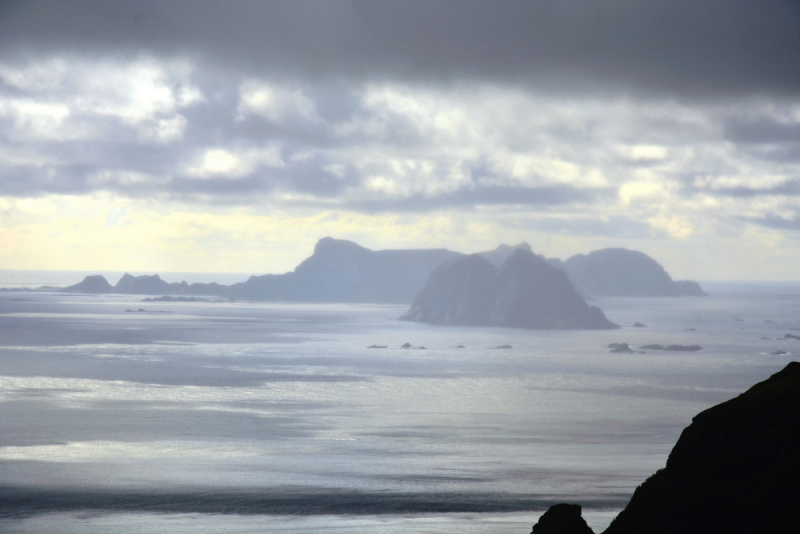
(734,470)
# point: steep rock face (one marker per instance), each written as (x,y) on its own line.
(562,519)
(96,284)
(525,292)
(734,470)
(618,272)
(462,291)
(499,255)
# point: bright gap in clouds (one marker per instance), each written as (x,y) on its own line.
(147,164)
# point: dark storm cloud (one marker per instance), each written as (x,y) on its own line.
(765,138)
(613,227)
(303,178)
(712,47)
(761,131)
(791,188)
(477,195)
(779,223)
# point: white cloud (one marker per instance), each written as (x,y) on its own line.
(68,98)
(274,102)
(234,163)
(40,120)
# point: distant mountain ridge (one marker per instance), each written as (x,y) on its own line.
(524,292)
(343,271)
(337,271)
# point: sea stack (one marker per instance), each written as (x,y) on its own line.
(525,292)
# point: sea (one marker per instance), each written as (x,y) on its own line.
(124,415)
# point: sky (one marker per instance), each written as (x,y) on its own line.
(230,136)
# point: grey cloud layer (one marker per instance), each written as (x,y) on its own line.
(149,127)
(674,46)
(615,118)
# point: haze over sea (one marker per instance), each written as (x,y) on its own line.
(276,417)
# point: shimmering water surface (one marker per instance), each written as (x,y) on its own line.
(253,417)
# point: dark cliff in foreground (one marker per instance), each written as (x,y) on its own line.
(525,292)
(618,272)
(734,470)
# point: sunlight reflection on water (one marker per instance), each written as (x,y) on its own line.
(254,397)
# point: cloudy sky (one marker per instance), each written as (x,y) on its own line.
(230,136)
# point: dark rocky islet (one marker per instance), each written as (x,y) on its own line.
(620,348)
(672,348)
(562,519)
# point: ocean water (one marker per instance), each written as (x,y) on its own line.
(275,417)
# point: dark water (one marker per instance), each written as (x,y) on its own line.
(238,417)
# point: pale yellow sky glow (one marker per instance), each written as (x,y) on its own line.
(103,233)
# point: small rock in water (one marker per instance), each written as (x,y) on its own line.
(562,519)
(762,337)
(639,325)
(405,346)
(377,347)
(768,321)
(790,336)
(620,347)
(691,330)
(421,347)
(779,353)
(504,347)
(672,348)
(459,346)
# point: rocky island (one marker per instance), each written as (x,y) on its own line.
(337,271)
(344,271)
(525,292)
(619,272)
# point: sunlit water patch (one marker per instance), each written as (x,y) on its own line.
(225,417)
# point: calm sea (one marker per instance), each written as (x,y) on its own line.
(244,417)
